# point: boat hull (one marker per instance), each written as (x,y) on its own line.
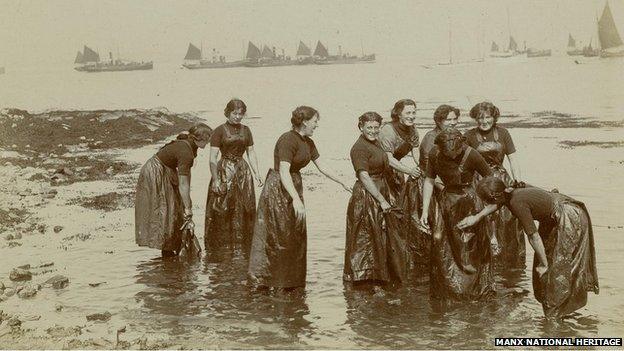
(116,68)
(575,52)
(611,54)
(539,53)
(214,65)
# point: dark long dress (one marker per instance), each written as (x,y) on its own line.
(566,231)
(158,209)
(279,244)
(493,146)
(375,250)
(230,212)
(400,140)
(461,259)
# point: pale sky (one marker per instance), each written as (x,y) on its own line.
(36,32)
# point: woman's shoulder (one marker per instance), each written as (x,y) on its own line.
(502,130)
(471,132)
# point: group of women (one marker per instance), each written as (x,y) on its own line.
(455,213)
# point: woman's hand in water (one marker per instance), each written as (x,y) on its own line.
(467,222)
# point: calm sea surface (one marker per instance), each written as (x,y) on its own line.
(208,304)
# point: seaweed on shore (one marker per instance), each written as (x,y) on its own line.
(107,202)
(569,144)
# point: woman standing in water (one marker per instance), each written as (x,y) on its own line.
(398,139)
(494,143)
(564,266)
(163,192)
(372,251)
(279,244)
(460,260)
(231,202)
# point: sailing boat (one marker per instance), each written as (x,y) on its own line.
(608,35)
(89,61)
(512,48)
(266,58)
(194,60)
(572,50)
(322,56)
(304,54)
(589,51)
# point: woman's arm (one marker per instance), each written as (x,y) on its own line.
(185,193)
(286,179)
(474,219)
(214,173)
(253,161)
(538,246)
(370,186)
(427,192)
(396,164)
(515,171)
(329,173)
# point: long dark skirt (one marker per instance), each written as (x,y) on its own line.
(230,212)
(460,260)
(569,244)
(507,230)
(375,249)
(158,210)
(279,244)
(419,242)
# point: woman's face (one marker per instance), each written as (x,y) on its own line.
(449,121)
(408,115)
(236,116)
(485,121)
(310,125)
(370,130)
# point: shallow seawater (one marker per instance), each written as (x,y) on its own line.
(208,303)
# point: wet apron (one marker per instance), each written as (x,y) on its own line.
(227,168)
(395,179)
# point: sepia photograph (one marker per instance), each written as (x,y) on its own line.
(290,174)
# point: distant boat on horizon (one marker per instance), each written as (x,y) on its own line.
(611,44)
(572,49)
(194,59)
(266,58)
(89,61)
(322,56)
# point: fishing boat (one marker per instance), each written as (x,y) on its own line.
(589,51)
(322,56)
(304,54)
(194,59)
(572,49)
(611,44)
(266,58)
(89,61)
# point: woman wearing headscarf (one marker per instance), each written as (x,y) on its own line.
(460,260)
(494,143)
(231,202)
(564,266)
(374,251)
(279,244)
(163,192)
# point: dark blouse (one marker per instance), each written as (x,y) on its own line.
(294,148)
(398,139)
(529,204)
(425,147)
(231,139)
(178,154)
(368,156)
(448,168)
(475,136)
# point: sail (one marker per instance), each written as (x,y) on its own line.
(571,41)
(513,46)
(303,50)
(90,55)
(267,53)
(494,47)
(252,51)
(320,50)
(193,53)
(607,31)
(79,58)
